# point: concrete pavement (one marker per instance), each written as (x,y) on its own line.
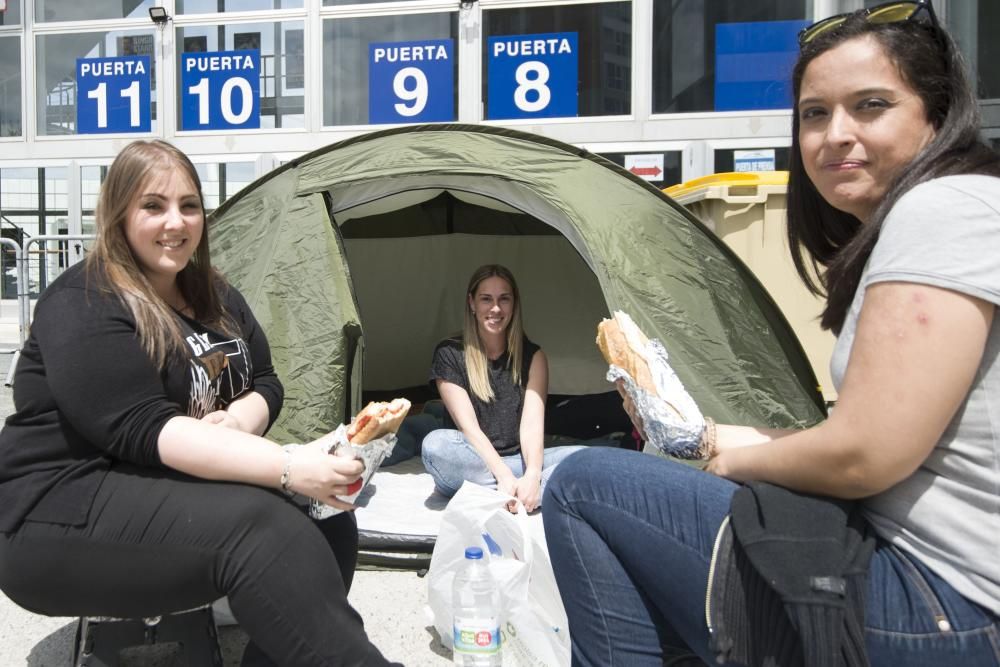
(391,602)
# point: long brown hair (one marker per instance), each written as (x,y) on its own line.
(475,354)
(113,259)
(837,244)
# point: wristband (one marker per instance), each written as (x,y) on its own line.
(286,475)
(709,446)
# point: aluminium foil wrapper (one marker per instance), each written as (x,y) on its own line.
(676,432)
(372,453)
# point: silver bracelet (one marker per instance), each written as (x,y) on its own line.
(286,474)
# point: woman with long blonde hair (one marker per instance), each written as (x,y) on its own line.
(493,381)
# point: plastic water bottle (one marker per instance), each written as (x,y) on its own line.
(476,605)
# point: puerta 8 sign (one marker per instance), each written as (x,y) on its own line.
(411,81)
(220,90)
(532,76)
(113,95)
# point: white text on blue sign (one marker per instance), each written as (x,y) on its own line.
(218,63)
(410,54)
(113,95)
(532,47)
(220,90)
(411,81)
(532,76)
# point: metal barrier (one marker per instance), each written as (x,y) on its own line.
(13,245)
(65,256)
(68,256)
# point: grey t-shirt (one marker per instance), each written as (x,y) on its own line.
(946,233)
(500,419)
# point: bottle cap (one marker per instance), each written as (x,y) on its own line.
(473,553)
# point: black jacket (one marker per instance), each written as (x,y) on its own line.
(788,581)
(86,395)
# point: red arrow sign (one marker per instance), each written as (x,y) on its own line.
(646,171)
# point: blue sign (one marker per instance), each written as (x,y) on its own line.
(411,81)
(112,95)
(753,64)
(220,90)
(532,76)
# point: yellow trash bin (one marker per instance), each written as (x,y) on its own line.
(747,211)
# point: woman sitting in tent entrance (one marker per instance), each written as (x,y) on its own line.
(493,381)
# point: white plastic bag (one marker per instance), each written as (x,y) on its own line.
(533,627)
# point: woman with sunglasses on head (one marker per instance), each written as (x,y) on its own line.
(896,200)
(134,476)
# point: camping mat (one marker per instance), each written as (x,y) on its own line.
(399,515)
(399,512)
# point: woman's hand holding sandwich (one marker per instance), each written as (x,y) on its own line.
(324,475)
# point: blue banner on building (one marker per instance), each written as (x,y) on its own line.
(753,64)
(411,82)
(113,95)
(532,76)
(220,90)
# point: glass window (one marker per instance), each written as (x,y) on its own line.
(282,63)
(725,159)
(74,10)
(662,168)
(13,14)
(56,57)
(213,6)
(10,86)
(91,178)
(987,57)
(345,58)
(604,39)
(328,3)
(33,202)
(684,46)
(974,26)
(221,181)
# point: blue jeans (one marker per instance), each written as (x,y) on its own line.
(451,459)
(631,535)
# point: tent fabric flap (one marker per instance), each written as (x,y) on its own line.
(282,252)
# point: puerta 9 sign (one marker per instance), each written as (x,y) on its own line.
(220,90)
(113,95)
(411,82)
(532,76)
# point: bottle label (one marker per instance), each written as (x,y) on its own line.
(476,636)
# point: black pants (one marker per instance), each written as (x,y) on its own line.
(160,541)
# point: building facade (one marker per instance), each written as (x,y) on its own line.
(671,89)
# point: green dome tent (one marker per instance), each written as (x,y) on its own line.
(355,259)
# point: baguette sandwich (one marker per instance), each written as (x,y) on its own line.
(376,420)
(624,345)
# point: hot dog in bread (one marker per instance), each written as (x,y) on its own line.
(376,420)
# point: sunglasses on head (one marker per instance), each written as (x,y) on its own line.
(890,12)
